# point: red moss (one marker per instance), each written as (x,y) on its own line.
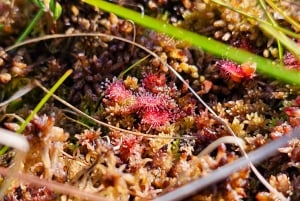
(244,43)
(131,150)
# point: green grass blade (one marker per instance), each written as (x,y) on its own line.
(264,66)
(28,29)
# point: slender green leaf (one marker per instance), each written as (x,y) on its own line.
(28,29)
(264,66)
(40,3)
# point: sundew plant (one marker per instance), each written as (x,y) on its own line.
(149,100)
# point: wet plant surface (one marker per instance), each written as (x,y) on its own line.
(122,125)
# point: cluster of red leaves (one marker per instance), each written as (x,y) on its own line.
(151,101)
(117,92)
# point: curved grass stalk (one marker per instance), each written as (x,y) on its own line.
(225,140)
(21,154)
(133,35)
(215,116)
(263,65)
(55,186)
(20,119)
(221,173)
(77,122)
(44,100)
(240,142)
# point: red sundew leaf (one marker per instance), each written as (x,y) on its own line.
(155,118)
(150,102)
(117,92)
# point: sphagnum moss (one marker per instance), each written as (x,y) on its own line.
(118,161)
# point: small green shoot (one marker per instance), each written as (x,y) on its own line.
(132,66)
(44,100)
(53,7)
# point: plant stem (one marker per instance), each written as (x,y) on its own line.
(28,29)
(264,66)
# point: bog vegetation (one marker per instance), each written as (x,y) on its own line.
(150,100)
